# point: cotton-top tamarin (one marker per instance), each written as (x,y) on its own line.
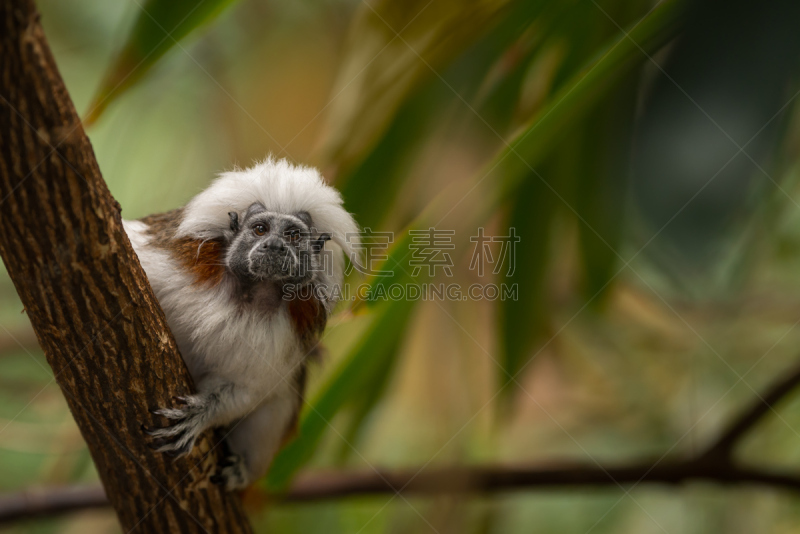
(247,274)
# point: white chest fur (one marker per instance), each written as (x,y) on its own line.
(252,345)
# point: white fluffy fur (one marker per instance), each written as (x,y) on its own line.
(281,187)
(251,356)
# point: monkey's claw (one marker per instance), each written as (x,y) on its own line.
(177,437)
(228,461)
(232,474)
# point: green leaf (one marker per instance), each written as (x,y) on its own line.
(394,48)
(507,171)
(352,378)
(583,91)
(522,321)
(368,397)
(601,194)
(506,174)
(586,177)
(370,188)
(159,26)
(372,166)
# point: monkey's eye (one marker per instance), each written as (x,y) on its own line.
(294,236)
(260,229)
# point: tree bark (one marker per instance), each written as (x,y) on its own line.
(93,311)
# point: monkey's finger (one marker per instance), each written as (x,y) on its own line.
(168,429)
(161,432)
(228,461)
(151,430)
(172,431)
(162,444)
(170,413)
(180,451)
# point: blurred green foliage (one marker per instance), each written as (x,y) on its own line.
(159,26)
(459,115)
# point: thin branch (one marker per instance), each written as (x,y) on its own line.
(761,406)
(51,501)
(714,465)
(475,480)
(488,479)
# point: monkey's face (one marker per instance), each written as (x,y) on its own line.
(272,246)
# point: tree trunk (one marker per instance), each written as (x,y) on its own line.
(87,297)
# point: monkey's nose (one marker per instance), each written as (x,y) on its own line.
(272,244)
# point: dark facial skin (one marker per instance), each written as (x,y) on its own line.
(269,246)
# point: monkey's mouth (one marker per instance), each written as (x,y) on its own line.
(283,266)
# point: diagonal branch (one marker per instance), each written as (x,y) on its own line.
(93,311)
(761,406)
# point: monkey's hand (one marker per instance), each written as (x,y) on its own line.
(232,473)
(186,423)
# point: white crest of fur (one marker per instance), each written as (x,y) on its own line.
(281,187)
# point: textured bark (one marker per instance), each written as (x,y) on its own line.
(93,311)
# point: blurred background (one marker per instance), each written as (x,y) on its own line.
(645,153)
